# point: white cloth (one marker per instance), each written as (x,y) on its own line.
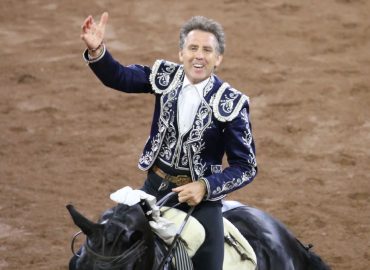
(130,197)
(163,227)
(189,99)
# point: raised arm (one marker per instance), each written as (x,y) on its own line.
(131,79)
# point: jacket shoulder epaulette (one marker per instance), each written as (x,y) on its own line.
(228,102)
(165,76)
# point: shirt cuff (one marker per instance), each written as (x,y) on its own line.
(208,189)
(89,59)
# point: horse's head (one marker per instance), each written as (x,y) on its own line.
(122,240)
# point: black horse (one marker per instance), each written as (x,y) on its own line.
(123,239)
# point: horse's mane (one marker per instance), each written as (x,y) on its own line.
(316,263)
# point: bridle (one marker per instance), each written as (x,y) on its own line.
(101,261)
(112,262)
(138,249)
(116,262)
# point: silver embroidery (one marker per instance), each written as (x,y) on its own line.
(163,122)
(164,77)
(198,165)
(169,141)
(209,86)
(247,175)
(228,103)
(211,125)
(212,100)
(161,74)
(147,158)
(184,159)
(235,182)
(244,115)
(225,102)
(247,138)
(200,122)
(253,159)
(216,169)
(167,106)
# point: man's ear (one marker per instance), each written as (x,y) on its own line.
(219,60)
(181,58)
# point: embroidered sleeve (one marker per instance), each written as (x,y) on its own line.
(228,103)
(240,151)
(165,76)
(129,79)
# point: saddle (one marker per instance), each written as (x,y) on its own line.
(238,252)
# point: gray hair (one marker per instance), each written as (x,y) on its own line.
(206,25)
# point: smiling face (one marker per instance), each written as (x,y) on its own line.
(199,55)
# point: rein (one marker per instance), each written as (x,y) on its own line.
(111,262)
(137,250)
(103,261)
(167,258)
(73,243)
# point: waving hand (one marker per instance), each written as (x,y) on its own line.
(93,34)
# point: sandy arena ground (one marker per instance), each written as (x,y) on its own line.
(66,138)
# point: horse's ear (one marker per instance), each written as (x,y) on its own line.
(88,227)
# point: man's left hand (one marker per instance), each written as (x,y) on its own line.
(192,193)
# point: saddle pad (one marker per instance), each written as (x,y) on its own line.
(232,260)
(193,233)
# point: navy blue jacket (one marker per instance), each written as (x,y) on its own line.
(221,124)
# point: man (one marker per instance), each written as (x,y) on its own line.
(197,119)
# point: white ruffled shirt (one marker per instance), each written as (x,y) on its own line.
(189,100)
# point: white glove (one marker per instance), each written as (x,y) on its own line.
(164,228)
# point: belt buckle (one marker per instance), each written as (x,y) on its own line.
(164,185)
(182,180)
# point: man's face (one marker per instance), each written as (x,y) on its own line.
(199,55)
